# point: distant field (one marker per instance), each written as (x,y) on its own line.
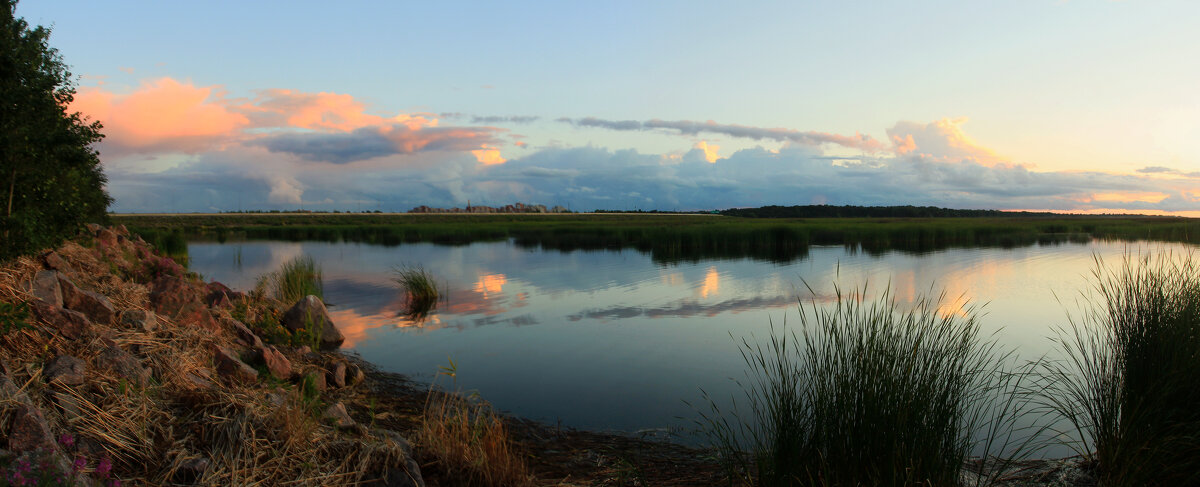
(669,237)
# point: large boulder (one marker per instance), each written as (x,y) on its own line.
(70,324)
(180,299)
(310,311)
(46,288)
(96,306)
(56,262)
(220,296)
(138,319)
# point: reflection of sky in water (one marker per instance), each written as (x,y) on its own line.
(611,340)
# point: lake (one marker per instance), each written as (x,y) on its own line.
(614,341)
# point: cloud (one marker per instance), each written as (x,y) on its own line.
(508,119)
(943,139)
(1168,171)
(693,128)
(379,141)
(161,115)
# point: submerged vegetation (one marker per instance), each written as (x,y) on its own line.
(868,393)
(421,287)
(1128,384)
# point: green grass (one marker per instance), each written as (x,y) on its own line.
(672,238)
(869,392)
(1129,387)
(421,287)
(295,279)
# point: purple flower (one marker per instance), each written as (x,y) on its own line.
(80,462)
(104,467)
(115,483)
(66,440)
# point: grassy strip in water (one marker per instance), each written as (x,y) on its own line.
(1128,385)
(869,393)
(674,238)
(421,287)
(295,279)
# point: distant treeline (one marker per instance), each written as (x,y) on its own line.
(849,211)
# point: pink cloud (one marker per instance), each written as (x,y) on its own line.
(161,115)
(942,140)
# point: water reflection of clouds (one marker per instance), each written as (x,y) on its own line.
(687,308)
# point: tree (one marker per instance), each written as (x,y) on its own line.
(55,183)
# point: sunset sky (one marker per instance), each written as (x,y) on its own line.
(1083,105)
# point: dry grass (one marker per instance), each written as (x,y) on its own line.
(151,433)
(469,441)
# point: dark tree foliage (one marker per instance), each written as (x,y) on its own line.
(830,211)
(50,174)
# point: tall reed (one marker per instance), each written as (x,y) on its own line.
(295,279)
(1129,386)
(422,289)
(870,392)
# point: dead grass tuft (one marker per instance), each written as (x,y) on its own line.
(469,441)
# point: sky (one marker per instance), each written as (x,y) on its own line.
(1081,106)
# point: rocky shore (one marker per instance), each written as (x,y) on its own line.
(119,367)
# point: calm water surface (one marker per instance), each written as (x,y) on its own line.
(610,340)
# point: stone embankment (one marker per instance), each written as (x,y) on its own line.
(120,366)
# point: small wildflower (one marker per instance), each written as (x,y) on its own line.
(104,467)
(66,440)
(80,462)
(115,483)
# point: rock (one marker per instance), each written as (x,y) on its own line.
(70,324)
(220,296)
(56,262)
(232,368)
(69,405)
(336,375)
(94,228)
(95,305)
(121,230)
(29,430)
(46,288)
(65,369)
(138,319)
(311,310)
(192,470)
(243,332)
(180,300)
(276,363)
(198,380)
(338,415)
(395,438)
(355,375)
(124,365)
(318,380)
(106,237)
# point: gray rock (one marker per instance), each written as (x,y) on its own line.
(355,375)
(232,368)
(243,332)
(199,380)
(394,438)
(137,319)
(311,310)
(56,262)
(336,375)
(124,365)
(407,476)
(69,405)
(96,306)
(65,369)
(339,417)
(46,288)
(29,430)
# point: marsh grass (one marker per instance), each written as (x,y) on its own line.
(466,441)
(295,279)
(870,392)
(1128,386)
(421,287)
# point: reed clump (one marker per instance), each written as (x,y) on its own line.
(468,441)
(1127,388)
(422,289)
(869,392)
(295,279)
